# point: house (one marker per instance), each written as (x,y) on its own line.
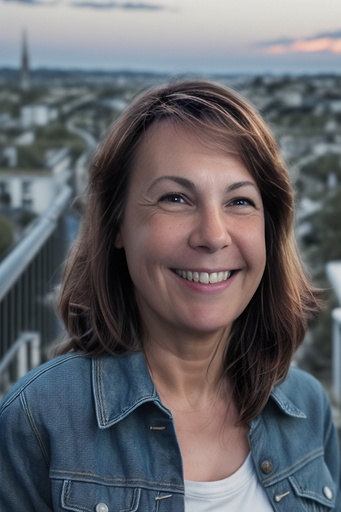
(34,190)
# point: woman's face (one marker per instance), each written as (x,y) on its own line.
(192,232)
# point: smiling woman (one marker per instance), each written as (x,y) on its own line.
(184,300)
(208,221)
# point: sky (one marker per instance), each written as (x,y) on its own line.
(175,36)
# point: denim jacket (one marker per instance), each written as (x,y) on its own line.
(91,435)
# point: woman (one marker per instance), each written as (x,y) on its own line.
(184,300)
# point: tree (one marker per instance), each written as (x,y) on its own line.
(327,224)
(6,235)
(323,166)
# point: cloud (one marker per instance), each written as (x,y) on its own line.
(137,6)
(34,2)
(328,42)
(274,42)
(132,5)
(97,4)
(332,35)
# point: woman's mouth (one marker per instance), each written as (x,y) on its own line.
(205,277)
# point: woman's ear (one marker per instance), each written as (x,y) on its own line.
(119,241)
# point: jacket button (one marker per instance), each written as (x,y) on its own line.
(266,466)
(101,507)
(328,492)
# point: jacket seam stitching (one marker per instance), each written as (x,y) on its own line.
(53,364)
(58,474)
(310,494)
(34,428)
(300,463)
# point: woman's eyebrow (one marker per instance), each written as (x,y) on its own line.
(176,179)
(240,184)
(191,185)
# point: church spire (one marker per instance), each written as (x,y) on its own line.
(25,71)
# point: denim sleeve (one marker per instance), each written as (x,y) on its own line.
(24,466)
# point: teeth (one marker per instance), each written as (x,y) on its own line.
(204,277)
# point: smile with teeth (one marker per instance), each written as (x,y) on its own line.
(204,277)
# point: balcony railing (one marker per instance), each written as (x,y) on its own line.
(337,355)
(333,271)
(28,277)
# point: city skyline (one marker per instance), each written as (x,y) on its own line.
(217,36)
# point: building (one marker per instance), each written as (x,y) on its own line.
(35,190)
(37,115)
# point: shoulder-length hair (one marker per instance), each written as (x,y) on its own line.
(97,301)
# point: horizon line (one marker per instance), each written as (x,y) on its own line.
(150,71)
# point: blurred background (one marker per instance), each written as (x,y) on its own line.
(69,67)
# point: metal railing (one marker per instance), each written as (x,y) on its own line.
(28,277)
(25,352)
(336,390)
(333,272)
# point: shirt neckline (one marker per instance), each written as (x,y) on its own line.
(222,488)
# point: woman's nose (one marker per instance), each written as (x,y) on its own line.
(210,231)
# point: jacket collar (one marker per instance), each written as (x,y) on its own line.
(285,404)
(120,385)
(123,383)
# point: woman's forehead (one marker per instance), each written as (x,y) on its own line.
(168,150)
(209,135)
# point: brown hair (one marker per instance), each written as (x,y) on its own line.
(97,301)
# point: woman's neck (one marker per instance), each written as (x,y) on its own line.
(186,372)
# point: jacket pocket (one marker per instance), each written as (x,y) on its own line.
(78,496)
(313,484)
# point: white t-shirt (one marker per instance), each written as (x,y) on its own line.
(239,492)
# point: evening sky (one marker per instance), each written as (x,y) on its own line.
(226,36)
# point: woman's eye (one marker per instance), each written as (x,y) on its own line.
(242,201)
(173,198)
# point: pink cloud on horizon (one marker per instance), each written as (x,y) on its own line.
(319,44)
